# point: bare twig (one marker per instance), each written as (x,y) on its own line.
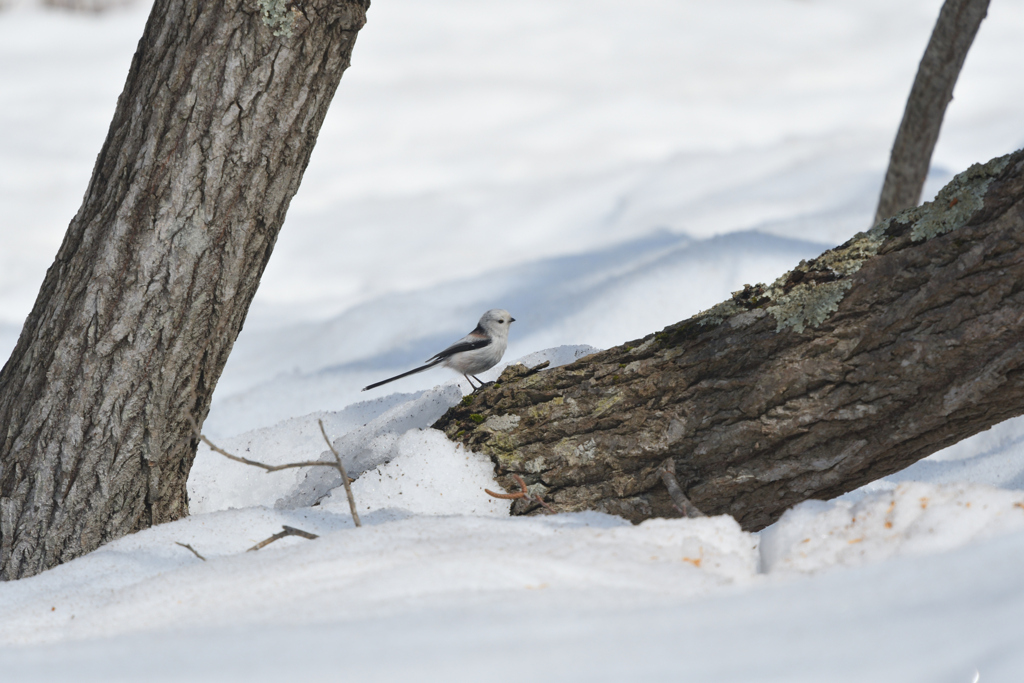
(287,531)
(194,551)
(255,463)
(680,502)
(263,465)
(276,468)
(505,496)
(299,532)
(344,476)
(523,493)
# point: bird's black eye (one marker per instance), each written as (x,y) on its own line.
(501,321)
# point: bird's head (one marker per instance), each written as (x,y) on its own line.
(496,321)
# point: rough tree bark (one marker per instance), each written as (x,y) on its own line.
(904,340)
(137,315)
(932,91)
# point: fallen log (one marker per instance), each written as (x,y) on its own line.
(904,340)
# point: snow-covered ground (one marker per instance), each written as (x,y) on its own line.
(601,169)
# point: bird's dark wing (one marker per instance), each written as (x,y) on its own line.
(471,341)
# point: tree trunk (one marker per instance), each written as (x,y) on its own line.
(932,91)
(904,340)
(137,315)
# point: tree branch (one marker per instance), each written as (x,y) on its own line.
(931,93)
(344,476)
(190,548)
(337,464)
(680,502)
(287,531)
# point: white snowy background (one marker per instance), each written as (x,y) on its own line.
(601,169)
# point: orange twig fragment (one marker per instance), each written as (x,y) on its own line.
(504,496)
(523,493)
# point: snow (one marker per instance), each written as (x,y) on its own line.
(581,596)
(601,170)
(911,519)
(423,466)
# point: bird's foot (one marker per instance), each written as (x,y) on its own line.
(483,385)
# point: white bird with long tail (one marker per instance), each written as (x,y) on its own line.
(478,351)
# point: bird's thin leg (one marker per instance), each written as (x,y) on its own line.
(482,383)
(471,383)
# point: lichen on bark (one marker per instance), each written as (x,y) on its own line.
(278,16)
(805,296)
(955,203)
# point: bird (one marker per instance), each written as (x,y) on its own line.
(479,350)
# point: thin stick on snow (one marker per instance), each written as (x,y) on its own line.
(263,465)
(344,476)
(680,502)
(255,463)
(287,531)
(194,551)
(337,464)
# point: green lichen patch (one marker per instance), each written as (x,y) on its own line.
(957,202)
(476,417)
(573,453)
(848,258)
(718,313)
(501,423)
(501,446)
(277,16)
(606,403)
(807,295)
(809,305)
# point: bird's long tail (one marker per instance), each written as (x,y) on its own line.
(404,374)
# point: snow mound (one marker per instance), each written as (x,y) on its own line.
(147,581)
(109,590)
(367,435)
(217,483)
(911,519)
(425,474)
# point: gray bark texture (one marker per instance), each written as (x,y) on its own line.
(904,340)
(932,91)
(137,315)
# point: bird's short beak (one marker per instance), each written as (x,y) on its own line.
(511,320)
